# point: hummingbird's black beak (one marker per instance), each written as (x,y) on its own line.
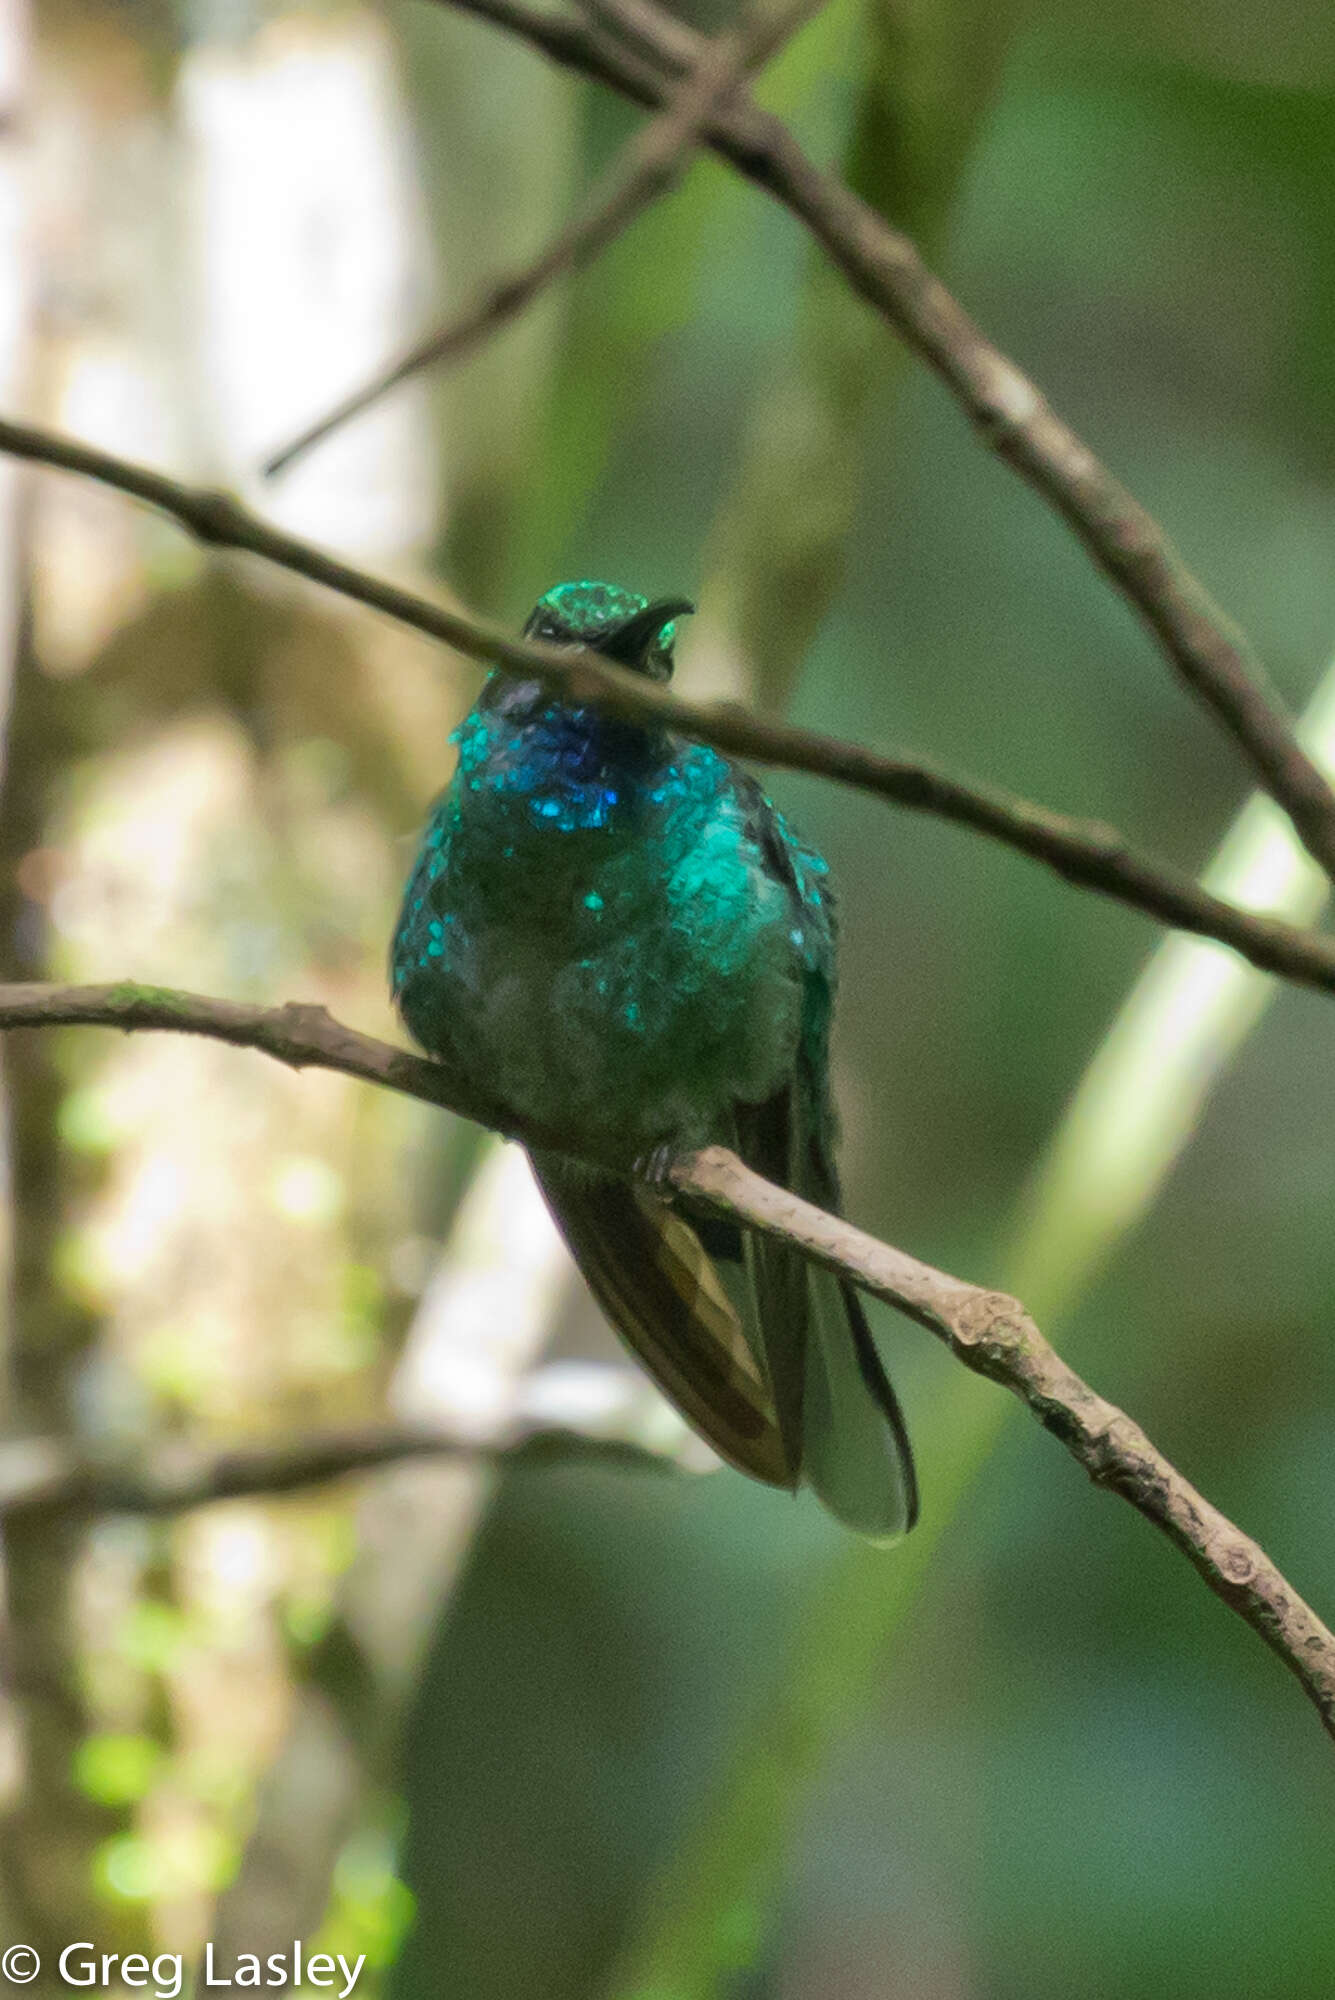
(632,644)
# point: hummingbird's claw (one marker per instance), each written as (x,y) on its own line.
(654,1167)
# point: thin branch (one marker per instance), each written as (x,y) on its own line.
(300,1034)
(1086,853)
(648,167)
(992,1334)
(988,1331)
(1211,655)
(41,1476)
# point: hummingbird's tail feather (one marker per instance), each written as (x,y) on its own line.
(647,1269)
(782,1378)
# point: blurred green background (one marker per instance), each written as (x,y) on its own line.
(569,1731)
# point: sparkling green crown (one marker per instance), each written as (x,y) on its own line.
(582,610)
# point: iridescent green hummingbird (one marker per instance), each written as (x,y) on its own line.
(614,930)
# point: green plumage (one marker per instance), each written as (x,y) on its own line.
(619,932)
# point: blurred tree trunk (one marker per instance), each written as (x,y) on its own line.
(50,1829)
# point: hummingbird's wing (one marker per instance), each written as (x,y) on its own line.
(838,1414)
(840,1418)
(855,1446)
(648,1270)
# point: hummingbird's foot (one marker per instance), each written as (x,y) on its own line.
(719,1238)
(655,1167)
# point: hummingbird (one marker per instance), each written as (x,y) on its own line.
(615,928)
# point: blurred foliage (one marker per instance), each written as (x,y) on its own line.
(671,1739)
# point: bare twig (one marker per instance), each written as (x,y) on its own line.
(992,1334)
(1087,853)
(45,1476)
(648,167)
(988,1331)
(885,269)
(302,1035)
